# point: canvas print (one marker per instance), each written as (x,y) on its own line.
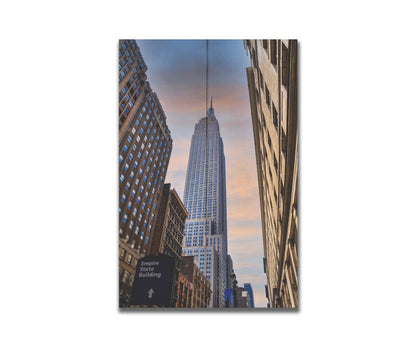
(208,174)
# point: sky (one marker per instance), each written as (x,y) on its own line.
(176,73)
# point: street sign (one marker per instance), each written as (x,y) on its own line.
(154,281)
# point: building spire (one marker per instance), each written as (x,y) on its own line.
(211,110)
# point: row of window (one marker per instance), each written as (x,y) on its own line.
(140,168)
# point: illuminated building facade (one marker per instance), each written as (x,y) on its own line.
(205,201)
(272,84)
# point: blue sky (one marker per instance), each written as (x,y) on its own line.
(176,72)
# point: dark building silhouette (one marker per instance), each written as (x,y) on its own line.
(242,298)
(230,270)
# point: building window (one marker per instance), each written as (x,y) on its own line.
(273,52)
(285,65)
(283,139)
(274,116)
(267,97)
(265,46)
(261,80)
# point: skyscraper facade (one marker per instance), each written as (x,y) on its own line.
(272,84)
(145,145)
(205,201)
(229,298)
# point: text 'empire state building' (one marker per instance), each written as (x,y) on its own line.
(205,201)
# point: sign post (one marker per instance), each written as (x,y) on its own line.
(154,281)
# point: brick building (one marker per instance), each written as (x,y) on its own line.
(169,229)
(194,288)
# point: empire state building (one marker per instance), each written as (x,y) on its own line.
(205,200)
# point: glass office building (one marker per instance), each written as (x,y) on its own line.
(249,290)
(205,201)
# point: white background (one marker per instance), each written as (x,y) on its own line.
(58,136)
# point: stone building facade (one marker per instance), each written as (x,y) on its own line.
(272,84)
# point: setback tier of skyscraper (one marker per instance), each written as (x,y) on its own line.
(205,201)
